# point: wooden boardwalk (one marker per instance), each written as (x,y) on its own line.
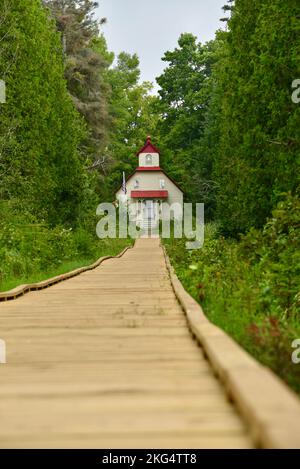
(106,360)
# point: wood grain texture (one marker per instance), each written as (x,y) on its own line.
(270,409)
(105,360)
(26,288)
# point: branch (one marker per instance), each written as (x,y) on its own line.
(274,142)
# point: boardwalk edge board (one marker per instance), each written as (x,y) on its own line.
(270,408)
(23,289)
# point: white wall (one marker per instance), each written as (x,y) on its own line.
(150,181)
(155,159)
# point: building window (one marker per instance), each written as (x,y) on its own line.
(136,184)
(148,159)
(162,183)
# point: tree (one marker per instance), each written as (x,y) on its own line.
(185,89)
(257,153)
(40,168)
(84,70)
(133,116)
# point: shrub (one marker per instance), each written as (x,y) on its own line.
(250,287)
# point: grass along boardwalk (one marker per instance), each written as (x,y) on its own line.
(106,359)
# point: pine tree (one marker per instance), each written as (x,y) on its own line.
(257,154)
(84,70)
(40,168)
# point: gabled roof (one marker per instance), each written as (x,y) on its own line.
(142,170)
(148,147)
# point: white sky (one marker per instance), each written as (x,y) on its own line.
(152,27)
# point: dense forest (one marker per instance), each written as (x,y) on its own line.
(229,134)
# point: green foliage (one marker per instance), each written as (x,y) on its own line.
(277,249)
(31,250)
(54,60)
(85,67)
(257,146)
(229,135)
(134,116)
(228,125)
(233,134)
(40,130)
(250,288)
(185,89)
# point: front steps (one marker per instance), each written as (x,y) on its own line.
(149,227)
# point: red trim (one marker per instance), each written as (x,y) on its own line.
(148,168)
(149,194)
(148,147)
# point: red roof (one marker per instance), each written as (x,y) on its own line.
(149,194)
(148,147)
(148,168)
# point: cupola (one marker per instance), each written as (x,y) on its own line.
(148,156)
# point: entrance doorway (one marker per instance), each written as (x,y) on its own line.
(149,210)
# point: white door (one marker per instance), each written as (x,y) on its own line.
(149,210)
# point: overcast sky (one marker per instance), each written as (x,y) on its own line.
(152,27)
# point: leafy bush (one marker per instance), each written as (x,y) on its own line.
(250,288)
(30,249)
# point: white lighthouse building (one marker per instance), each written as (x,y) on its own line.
(151,194)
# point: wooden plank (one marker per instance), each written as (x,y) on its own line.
(105,359)
(26,288)
(270,408)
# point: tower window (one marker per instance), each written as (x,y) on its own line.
(148,159)
(136,184)
(162,183)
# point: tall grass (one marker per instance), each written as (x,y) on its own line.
(31,251)
(250,287)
